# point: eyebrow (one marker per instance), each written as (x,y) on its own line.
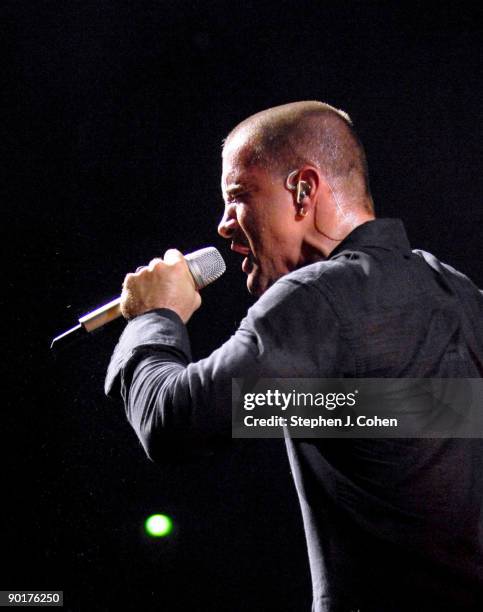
(235,188)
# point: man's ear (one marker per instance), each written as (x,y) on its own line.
(306,189)
(308,181)
(304,183)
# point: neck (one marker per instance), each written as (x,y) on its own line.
(323,240)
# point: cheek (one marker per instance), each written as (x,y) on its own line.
(251,223)
(264,225)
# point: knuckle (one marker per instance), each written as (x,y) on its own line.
(126,307)
(124,311)
(155,263)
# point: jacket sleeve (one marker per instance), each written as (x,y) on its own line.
(176,406)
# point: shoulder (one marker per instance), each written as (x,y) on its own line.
(334,278)
(295,325)
(308,280)
(303,290)
(446,271)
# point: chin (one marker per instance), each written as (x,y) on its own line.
(252,289)
(255,285)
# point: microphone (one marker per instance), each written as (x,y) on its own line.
(205,265)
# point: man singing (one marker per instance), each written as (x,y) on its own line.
(391,524)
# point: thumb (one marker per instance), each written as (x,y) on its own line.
(172,256)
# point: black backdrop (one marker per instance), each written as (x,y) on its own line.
(111,135)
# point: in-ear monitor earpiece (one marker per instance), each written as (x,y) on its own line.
(303,190)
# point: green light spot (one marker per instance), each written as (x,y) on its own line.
(158,525)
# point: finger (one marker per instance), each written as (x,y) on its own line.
(154,262)
(126,307)
(126,297)
(127,281)
(139,268)
(173,256)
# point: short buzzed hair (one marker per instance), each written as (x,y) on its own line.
(285,137)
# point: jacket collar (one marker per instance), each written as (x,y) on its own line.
(386,234)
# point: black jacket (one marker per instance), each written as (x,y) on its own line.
(391,524)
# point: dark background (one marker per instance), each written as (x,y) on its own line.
(111,133)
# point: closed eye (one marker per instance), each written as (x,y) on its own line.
(238,192)
(239,198)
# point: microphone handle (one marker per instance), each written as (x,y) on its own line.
(88,323)
(101,316)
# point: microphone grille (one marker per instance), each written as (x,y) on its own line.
(206,265)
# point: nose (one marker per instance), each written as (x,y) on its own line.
(228,223)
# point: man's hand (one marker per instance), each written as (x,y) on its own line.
(165,283)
